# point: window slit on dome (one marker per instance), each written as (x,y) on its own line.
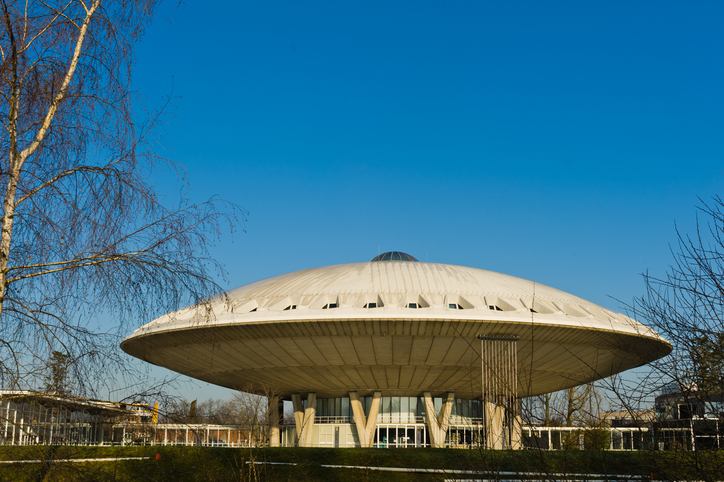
(329,305)
(495,307)
(290,307)
(412,305)
(252,311)
(455,306)
(371,305)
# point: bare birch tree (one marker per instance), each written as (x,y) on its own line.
(83,231)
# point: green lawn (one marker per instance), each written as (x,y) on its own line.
(189,464)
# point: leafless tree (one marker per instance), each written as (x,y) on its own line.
(256,408)
(84,235)
(211,411)
(686,306)
(575,406)
(253,409)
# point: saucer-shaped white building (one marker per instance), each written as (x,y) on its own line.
(398,352)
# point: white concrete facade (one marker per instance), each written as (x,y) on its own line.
(394,328)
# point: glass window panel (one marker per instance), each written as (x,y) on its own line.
(405,409)
(410,434)
(395,409)
(385,411)
(345,407)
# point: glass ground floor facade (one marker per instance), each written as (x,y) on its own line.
(386,435)
(409,435)
(399,422)
(396,410)
(403,422)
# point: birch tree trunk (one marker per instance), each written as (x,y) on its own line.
(83,233)
(17,154)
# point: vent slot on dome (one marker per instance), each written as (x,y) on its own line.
(538,306)
(286,304)
(456,302)
(543,308)
(416,301)
(370,301)
(325,302)
(248,306)
(573,310)
(499,304)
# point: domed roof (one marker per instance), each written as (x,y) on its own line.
(332,325)
(393,256)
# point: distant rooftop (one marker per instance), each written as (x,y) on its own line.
(393,256)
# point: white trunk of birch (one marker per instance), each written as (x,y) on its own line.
(19,155)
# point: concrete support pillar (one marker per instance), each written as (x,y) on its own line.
(503,430)
(304,418)
(365,426)
(501,405)
(276,410)
(493,418)
(298,413)
(516,427)
(437,426)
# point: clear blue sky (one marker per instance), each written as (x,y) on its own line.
(555,141)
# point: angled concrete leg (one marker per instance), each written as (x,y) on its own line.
(516,430)
(304,418)
(365,426)
(372,418)
(275,414)
(298,416)
(493,426)
(437,425)
(309,413)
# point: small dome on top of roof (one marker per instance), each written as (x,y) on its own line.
(393,256)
